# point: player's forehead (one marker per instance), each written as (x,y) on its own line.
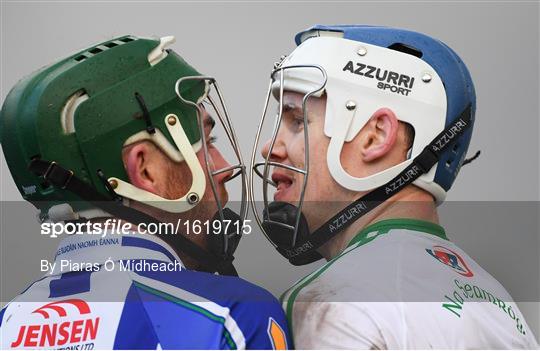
(292,101)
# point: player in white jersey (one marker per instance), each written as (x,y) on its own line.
(372,127)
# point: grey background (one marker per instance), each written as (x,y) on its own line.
(493,209)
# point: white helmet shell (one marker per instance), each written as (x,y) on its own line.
(362,78)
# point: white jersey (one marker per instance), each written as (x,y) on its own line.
(400,284)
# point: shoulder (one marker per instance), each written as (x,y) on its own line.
(363,266)
(239,298)
(220,289)
(347,325)
(2,311)
(388,258)
(379,268)
(250,313)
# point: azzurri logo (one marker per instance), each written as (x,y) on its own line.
(388,80)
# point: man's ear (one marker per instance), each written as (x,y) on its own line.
(140,164)
(379,135)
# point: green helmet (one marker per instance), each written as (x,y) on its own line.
(81,111)
(63,129)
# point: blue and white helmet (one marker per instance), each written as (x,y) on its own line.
(420,78)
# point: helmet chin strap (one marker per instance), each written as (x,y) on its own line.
(65,179)
(280,220)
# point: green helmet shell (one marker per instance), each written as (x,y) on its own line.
(109,74)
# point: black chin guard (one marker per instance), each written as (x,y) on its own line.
(281,214)
(223,244)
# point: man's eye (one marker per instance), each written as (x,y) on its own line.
(298,121)
(212,139)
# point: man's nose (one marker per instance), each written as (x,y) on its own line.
(219,162)
(278,151)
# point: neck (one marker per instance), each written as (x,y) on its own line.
(200,240)
(411,202)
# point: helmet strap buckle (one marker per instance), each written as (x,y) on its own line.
(58,175)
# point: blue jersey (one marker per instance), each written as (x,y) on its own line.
(132,292)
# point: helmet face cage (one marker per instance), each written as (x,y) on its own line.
(238,168)
(277,87)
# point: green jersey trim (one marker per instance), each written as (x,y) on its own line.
(366,235)
(190,306)
(386,225)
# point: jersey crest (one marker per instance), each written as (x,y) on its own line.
(451,259)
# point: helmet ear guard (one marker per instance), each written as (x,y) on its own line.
(186,153)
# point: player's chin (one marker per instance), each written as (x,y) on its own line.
(287,197)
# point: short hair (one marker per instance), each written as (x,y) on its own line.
(409,135)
